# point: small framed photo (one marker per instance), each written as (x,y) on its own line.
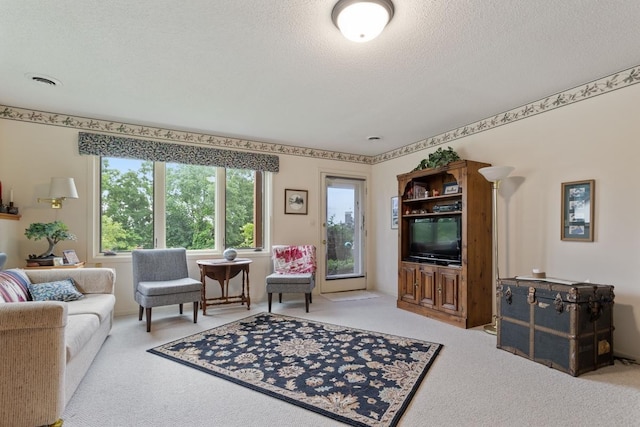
(295,201)
(450,188)
(394,212)
(578,204)
(70,257)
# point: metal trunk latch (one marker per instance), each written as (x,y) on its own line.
(595,309)
(531,298)
(508,297)
(572,295)
(558,304)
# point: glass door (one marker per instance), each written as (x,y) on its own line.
(344,234)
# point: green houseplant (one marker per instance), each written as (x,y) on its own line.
(54,232)
(438,158)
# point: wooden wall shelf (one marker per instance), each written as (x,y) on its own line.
(9,216)
(52,267)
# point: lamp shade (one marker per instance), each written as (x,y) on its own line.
(496,173)
(362,20)
(63,188)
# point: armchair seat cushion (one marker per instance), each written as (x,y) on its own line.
(289,278)
(290,288)
(168,287)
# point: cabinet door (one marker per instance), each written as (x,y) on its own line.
(427,279)
(408,283)
(448,290)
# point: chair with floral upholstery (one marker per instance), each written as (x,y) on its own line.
(294,269)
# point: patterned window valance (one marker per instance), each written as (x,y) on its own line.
(142,149)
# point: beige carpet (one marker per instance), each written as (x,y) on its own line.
(349,296)
(471,382)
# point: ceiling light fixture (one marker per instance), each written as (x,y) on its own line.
(362,20)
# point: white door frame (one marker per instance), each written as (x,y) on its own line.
(327,286)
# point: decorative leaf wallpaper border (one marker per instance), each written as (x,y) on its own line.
(601,86)
(604,85)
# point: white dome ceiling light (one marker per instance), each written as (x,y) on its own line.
(362,20)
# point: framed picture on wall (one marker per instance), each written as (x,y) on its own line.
(295,201)
(578,203)
(394,212)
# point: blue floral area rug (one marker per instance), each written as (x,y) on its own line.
(358,377)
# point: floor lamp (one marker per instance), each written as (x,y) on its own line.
(495,174)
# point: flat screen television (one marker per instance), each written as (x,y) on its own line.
(435,239)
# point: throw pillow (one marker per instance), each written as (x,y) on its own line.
(14,286)
(60,290)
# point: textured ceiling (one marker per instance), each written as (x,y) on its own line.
(281,72)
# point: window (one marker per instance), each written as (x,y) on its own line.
(146,204)
(243,211)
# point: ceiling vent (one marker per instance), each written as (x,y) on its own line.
(40,78)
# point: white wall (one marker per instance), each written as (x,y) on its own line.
(593,139)
(29,156)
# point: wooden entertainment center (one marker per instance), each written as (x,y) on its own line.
(456,287)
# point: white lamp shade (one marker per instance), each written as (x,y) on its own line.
(362,21)
(63,188)
(496,173)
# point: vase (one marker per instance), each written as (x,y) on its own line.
(230,254)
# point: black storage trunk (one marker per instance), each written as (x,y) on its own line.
(568,327)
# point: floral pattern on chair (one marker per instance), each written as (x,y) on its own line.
(294,259)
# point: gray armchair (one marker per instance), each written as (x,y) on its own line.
(294,272)
(161,277)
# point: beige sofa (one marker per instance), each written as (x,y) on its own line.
(46,347)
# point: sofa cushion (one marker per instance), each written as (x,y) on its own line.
(80,329)
(60,290)
(14,286)
(100,305)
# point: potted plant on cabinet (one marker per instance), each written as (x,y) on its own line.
(54,232)
(438,158)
